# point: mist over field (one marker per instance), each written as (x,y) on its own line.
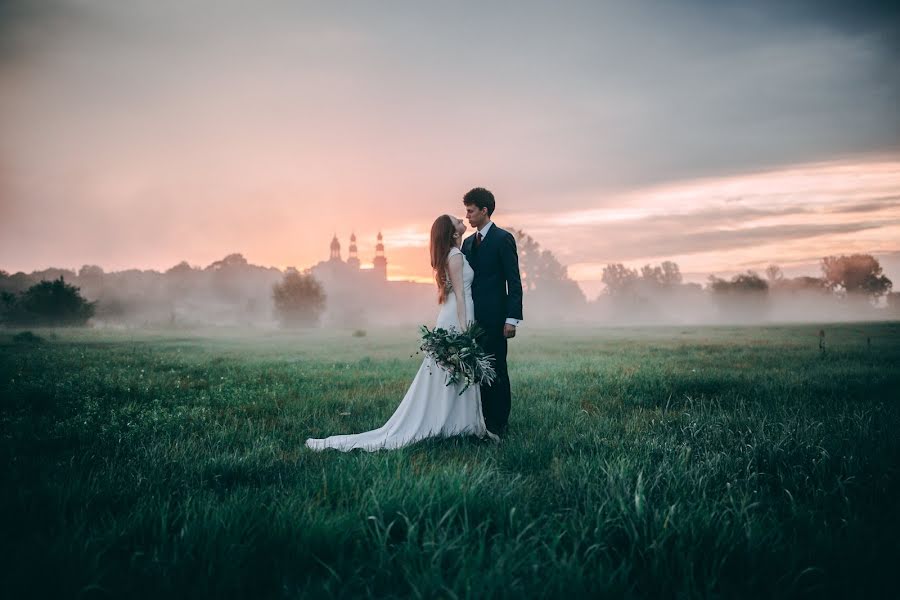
(233,292)
(216,230)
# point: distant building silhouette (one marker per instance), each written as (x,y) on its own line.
(353,259)
(335,272)
(354,294)
(380,262)
(335,249)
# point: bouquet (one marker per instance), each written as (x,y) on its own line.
(459,354)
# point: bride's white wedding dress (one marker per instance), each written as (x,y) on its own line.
(430,408)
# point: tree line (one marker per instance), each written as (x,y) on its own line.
(858,275)
(232,290)
(850,286)
(228,291)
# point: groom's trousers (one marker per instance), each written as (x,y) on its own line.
(495,398)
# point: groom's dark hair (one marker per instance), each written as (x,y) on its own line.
(481,198)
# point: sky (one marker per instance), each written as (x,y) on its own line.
(722,135)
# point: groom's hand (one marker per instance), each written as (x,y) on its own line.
(509,331)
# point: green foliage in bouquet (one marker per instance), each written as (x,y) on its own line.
(459,354)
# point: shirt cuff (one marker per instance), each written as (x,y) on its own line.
(513,322)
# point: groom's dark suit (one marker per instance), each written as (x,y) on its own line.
(497,294)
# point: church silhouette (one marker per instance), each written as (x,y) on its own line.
(336,268)
(355,292)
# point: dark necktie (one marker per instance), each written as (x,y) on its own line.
(478,237)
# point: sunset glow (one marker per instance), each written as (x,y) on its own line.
(267,130)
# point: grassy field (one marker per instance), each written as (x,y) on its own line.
(658,462)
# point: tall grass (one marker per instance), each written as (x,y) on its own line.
(700,462)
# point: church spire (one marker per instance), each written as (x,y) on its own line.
(380,262)
(353,259)
(335,248)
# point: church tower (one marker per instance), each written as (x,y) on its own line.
(380,262)
(353,259)
(335,249)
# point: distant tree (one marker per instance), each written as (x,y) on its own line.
(749,282)
(803,284)
(90,271)
(230,261)
(793,285)
(180,280)
(718,285)
(529,259)
(537,266)
(619,279)
(228,277)
(18,282)
(666,274)
(774,274)
(182,268)
(52,273)
(651,274)
(51,303)
(543,275)
(90,278)
(645,296)
(299,300)
(742,298)
(859,274)
(671,273)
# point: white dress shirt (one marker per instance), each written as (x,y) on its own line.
(483,231)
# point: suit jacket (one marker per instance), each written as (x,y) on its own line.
(497,286)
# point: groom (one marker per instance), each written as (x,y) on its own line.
(497,294)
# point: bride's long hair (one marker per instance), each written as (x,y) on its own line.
(442,232)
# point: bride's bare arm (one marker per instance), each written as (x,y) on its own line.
(455,264)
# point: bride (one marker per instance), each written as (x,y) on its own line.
(430,407)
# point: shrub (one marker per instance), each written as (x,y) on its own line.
(50,303)
(299,300)
(26,337)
